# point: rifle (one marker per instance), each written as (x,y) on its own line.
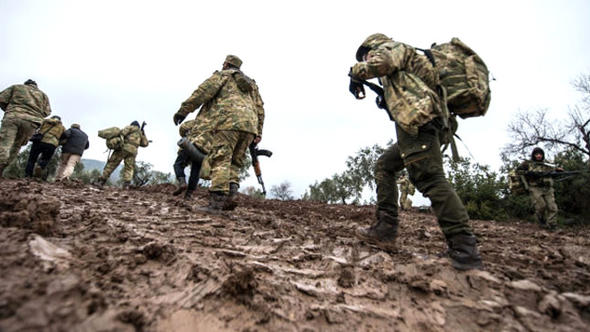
(554,174)
(254,153)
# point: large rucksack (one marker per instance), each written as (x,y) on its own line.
(113,136)
(465,77)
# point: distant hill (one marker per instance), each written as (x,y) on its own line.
(91,164)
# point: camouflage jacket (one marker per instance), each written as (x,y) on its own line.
(52,129)
(537,167)
(26,102)
(409,83)
(228,94)
(132,138)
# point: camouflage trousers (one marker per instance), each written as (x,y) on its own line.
(404,201)
(14,133)
(228,151)
(421,156)
(115,160)
(543,199)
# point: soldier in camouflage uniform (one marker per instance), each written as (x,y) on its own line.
(184,159)
(410,84)
(231,118)
(406,188)
(541,187)
(133,137)
(52,130)
(25,107)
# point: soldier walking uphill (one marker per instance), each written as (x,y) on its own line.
(25,107)
(406,188)
(541,187)
(75,142)
(234,111)
(133,137)
(410,83)
(45,141)
(184,159)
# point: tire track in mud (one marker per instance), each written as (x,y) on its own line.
(142,260)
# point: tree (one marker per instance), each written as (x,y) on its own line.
(282,191)
(533,128)
(253,192)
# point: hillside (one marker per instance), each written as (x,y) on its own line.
(79,258)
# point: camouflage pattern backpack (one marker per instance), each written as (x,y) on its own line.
(113,136)
(465,77)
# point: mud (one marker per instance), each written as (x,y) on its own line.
(79,258)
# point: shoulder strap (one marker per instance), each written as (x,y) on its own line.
(428,54)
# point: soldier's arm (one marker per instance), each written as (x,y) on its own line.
(205,92)
(5,98)
(259,109)
(144,142)
(381,62)
(46,107)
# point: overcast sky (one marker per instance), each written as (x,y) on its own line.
(107,63)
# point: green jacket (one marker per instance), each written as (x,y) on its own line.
(133,137)
(25,101)
(409,83)
(229,100)
(52,129)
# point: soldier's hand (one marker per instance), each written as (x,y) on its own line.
(257,140)
(178,118)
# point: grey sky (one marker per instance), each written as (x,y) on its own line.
(105,63)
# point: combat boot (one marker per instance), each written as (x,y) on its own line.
(463,252)
(38,172)
(126,185)
(180,186)
(383,233)
(100,182)
(188,195)
(230,202)
(216,203)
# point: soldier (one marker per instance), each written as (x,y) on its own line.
(75,141)
(541,187)
(133,137)
(182,161)
(410,83)
(233,118)
(44,144)
(25,107)
(406,188)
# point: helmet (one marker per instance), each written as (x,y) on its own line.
(56,117)
(538,150)
(135,123)
(370,43)
(233,60)
(30,82)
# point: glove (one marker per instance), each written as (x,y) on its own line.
(178,118)
(356,87)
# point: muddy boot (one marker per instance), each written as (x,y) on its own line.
(180,186)
(463,252)
(100,182)
(126,185)
(188,195)
(230,202)
(38,172)
(216,203)
(382,233)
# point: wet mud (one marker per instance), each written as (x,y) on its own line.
(81,258)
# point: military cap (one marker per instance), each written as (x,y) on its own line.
(75,125)
(56,117)
(233,60)
(30,82)
(135,123)
(370,43)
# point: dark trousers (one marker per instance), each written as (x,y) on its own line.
(46,151)
(181,162)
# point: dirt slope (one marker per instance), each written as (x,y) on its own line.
(76,258)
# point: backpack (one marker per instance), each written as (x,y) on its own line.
(113,136)
(465,77)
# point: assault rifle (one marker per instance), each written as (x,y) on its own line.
(254,153)
(562,175)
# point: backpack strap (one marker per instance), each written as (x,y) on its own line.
(428,54)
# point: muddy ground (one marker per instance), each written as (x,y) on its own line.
(77,258)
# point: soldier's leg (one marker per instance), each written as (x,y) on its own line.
(24,132)
(180,163)
(386,169)
(536,195)
(423,161)
(551,210)
(36,150)
(239,155)
(63,161)
(402,199)
(128,168)
(47,151)
(112,163)
(8,131)
(71,165)
(222,151)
